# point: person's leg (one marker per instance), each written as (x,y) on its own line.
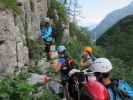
(47,48)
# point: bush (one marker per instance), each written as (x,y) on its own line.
(15,87)
(36,49)
(47,95)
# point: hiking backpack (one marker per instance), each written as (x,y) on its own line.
(120,90)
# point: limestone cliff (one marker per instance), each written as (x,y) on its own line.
(14,30)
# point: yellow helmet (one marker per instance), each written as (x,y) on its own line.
(88,50)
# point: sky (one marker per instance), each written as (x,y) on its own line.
(92,12)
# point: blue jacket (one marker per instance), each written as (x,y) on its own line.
(46,33)
(122,86)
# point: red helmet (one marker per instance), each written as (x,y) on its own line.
(96,90)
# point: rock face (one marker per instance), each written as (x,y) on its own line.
(110,20)
(15,29)
(29,20)
(13,52)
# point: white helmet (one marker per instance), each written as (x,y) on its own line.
(47,19)
(102,65)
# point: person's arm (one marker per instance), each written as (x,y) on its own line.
(42,32)
(58,64)
(81,62)
(58,67)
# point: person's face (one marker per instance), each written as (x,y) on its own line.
(107,79)
(46,24)
(85,53)
(61,53)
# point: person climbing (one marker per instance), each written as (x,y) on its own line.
(47,34)
(63,65)
(87,58)
(118,89)
(65,62)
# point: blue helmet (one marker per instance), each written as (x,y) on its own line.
(61,48)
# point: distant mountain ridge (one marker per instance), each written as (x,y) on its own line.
(111,20)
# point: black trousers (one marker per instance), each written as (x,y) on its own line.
(47,47)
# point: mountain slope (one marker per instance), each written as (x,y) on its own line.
(118,40)
(110,20)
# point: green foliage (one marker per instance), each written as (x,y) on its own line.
(10,4)
(78,40)
(63,17)
(62,12)
(15,87)
(121,71)
(118,43)
(35,69)
(119,68)
(36,49)
(99,51)
(59,32)
(74,48)
(48,96)
(74,29)
(79,36)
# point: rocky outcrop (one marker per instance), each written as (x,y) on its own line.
(14,31)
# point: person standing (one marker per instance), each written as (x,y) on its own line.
(47,34)
(87,58)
